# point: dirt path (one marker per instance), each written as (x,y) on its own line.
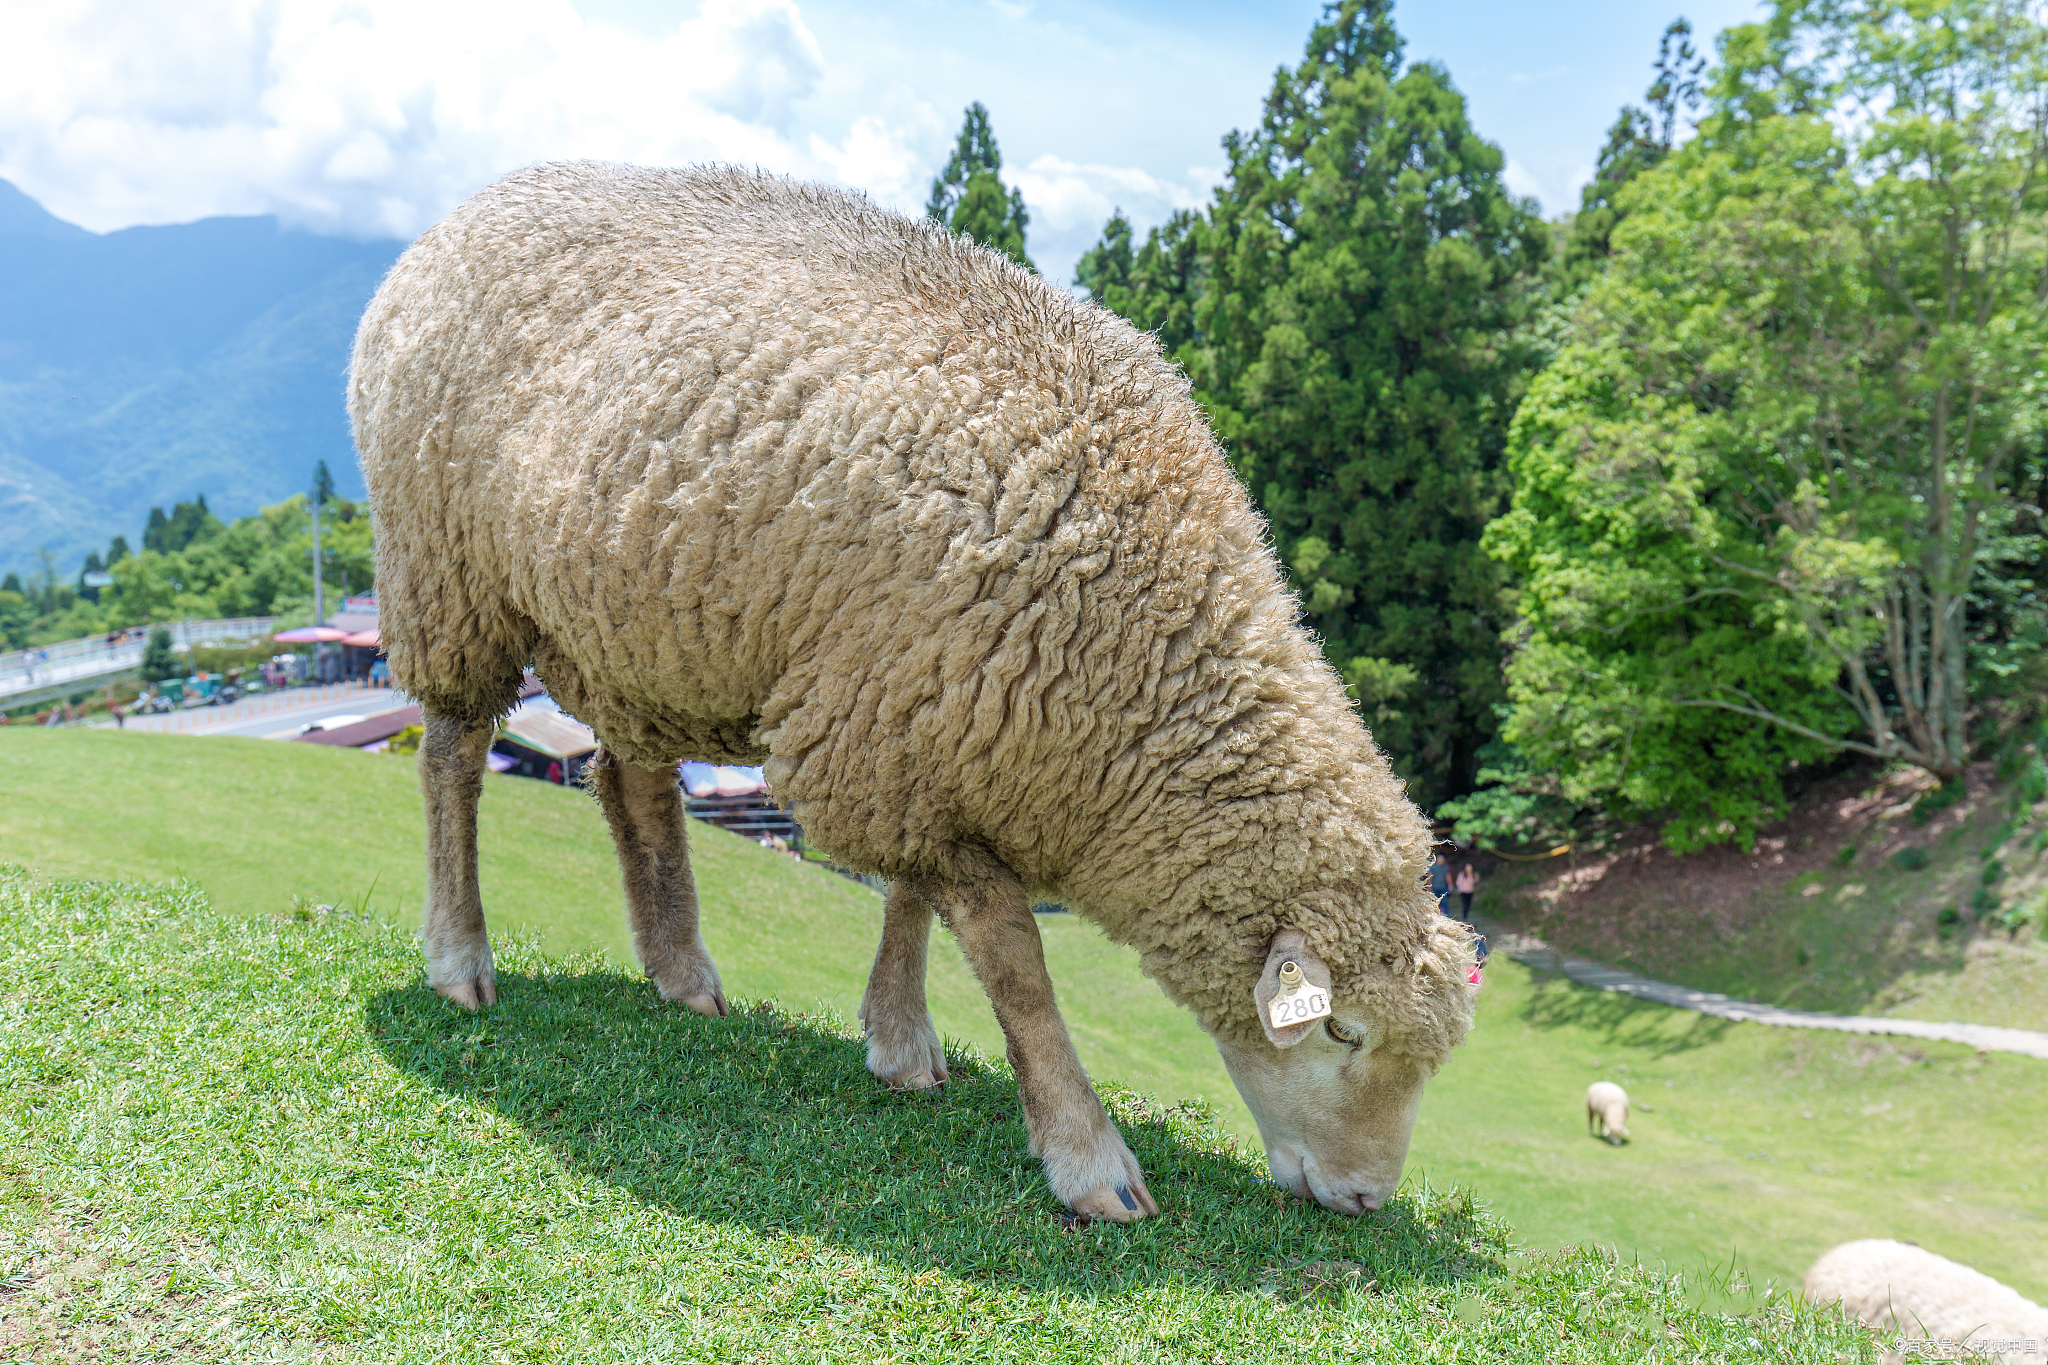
(1534,952)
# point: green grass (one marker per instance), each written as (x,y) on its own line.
(1723,1164)
(262,1139)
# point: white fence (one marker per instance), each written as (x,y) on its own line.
(49,669)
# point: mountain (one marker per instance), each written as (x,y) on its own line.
(140,367)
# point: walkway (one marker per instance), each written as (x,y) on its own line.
(1534,952)
(28,676)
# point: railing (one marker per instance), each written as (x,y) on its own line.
(43,667)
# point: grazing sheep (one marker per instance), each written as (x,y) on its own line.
(757,472)
(1896,1286)
(1607,1111)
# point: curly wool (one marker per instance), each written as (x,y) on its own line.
(1900,1287)
(757,471)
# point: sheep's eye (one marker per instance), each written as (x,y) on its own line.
(1339,1033)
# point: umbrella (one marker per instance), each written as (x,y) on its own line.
(309,635)
(362,639)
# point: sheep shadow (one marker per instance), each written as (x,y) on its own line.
(770,1120)
(1557,1002)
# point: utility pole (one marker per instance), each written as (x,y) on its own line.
(319,578)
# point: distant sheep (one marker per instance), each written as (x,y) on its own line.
(758,472)
(1898,1287)
(1607,1111)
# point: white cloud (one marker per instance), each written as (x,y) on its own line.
(1517,178)
(376,116)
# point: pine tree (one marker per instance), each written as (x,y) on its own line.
(323,485)
(117,551)
(969,198)
(153,535)
(1348,311)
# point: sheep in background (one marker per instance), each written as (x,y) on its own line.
(1896,1285)
(1607,1111)
(755,472)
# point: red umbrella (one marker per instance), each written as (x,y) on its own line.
(309,635)
(362,639)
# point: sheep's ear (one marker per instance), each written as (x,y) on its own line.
(1311,997)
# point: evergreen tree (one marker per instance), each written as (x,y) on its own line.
(1639,140)
(1347,310)
(12,583)
(969,198)
(323,485)
(154,535)
(92,566)
(160,657)
(117,551)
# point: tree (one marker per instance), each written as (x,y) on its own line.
(1347,310)
(160,657)
(323,485)
(1764,507)
(117,551)
(968,195)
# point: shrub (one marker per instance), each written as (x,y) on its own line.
(160,657)
(1933,803)
(1910,859)
(406,741)
(1983,901)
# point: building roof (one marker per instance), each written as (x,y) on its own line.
(363,732)
(549,732)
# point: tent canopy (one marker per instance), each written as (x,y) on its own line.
(549,732)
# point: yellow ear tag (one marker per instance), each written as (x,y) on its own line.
(1298,1002)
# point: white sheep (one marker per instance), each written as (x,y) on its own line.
(758,472)
(1896,1286)
(1607,1111)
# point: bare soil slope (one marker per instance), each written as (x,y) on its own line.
(1828,911)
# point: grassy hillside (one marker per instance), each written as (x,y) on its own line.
(1920,1143)
(1865,901)
(249,1139)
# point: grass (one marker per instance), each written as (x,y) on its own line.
(1924,1143)
(262,1139)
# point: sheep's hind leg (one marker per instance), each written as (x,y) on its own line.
(645,810)
(903,1047)
(1090,1169)
(452,780)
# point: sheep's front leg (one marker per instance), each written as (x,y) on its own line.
(452,780)
(903,1048)
(644,807)
(1086,1162)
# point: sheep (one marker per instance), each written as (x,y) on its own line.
(1607,1111)
(756,472)
(1902,1287)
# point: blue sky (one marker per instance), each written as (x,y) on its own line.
(373,117)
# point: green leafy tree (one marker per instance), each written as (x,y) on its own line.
(1347,309)
(1765,505)
(968,195)
(160,658)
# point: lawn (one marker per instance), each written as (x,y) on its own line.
(262,1139)
(1929,1144)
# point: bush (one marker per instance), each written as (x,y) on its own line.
(160,657)
(406,741)
(1933,803)
(1910,859)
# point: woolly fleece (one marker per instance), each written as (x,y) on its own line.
(1896,1285)
(757,471)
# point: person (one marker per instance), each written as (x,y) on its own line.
(1440,881)
(1466,883)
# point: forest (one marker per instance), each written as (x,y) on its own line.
(1651,512)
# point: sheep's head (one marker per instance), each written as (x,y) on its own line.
(1336,1079)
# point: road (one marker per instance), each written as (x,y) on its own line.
(275,715)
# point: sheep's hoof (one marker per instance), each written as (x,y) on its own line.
(913,1062)
(475,992)
(1118,1203)
(710,1003)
